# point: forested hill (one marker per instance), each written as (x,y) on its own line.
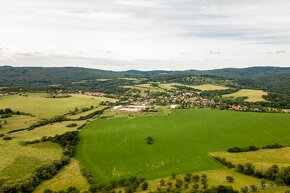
(273,78)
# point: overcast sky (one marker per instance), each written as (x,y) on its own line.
(145,34)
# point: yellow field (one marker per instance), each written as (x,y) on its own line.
(70,175)
(262,159)
(42,107)
(253,95)
(205,87)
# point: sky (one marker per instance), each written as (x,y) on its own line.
(145,34)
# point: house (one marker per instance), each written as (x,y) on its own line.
(96,94)
(173,106)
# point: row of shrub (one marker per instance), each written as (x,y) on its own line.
(93,114)
(49,121)
(254,148)
(40,174)
(225,162)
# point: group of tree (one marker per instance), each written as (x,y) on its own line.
(129,185)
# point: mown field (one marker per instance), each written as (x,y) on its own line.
(42,107)
(182,141)
(253,95)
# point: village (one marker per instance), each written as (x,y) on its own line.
(182,100)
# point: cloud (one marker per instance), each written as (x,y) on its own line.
(185,33)
(281,52)
(211,52)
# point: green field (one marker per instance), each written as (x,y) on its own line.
(182,141)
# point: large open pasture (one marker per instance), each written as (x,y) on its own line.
(182,141)
(42,107)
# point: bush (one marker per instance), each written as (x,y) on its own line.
(144,185)
(254,188)
(178,183)
(225,162)
(195,178)
(7,138)
(72,125)
(149,140)
(273,146)
(187,177)
(230,179)
(245,149)
(4,116)
(173,175)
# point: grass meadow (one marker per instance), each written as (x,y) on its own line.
(182,141)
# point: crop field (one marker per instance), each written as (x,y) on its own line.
(42,107)
(182,141)
(253,95)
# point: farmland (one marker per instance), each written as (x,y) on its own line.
(182,141)
(252,95)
